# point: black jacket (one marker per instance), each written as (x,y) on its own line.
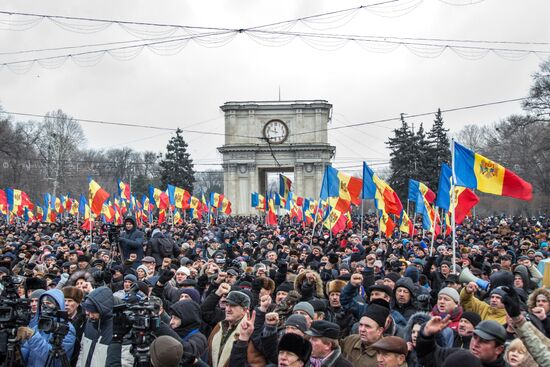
(194,342)
(431,355)
(131,241)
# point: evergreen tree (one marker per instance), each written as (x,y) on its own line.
(421,150)
(176,167)
(402,161)
(439,150)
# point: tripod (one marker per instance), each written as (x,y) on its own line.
(13,349)
(57,352)
(141,350)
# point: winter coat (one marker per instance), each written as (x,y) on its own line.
(309,290)
(353,351)
(408,309)
(536,343)
(431,355)
(189,312)
(79,322)
(131,241)
(219,351)
(456,315)
(485,311)
(542,325)
(154,251)
(36,349)
(348,302)
(336,359)
(97,338)
(444,339)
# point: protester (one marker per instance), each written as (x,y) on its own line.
(236,292)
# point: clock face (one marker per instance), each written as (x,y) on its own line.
(275,131)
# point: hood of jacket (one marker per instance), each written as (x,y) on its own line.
(406,283)
(532,301)
(189,312)
(417,318)
(102,298)
(54,294)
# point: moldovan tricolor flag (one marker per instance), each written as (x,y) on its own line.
(158,198)
(3,202)
(124,190)
(416,187)
(271,215)
(97,196)
(226,206)
(285,186)
(338,184)
(465,200)
(474,171)
(374,188)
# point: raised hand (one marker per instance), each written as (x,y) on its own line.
(356,280)
(511,302)
(265,302)
(436,325)
(247,326)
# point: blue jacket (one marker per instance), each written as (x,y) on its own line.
(36,349)
(348,302)
(131,241)
(97,337)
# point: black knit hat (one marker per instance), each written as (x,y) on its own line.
(472,317)
(296,344)
(378,310)
(462,358)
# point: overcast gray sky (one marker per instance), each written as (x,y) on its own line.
(185,90)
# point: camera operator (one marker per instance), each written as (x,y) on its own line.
(99,328)
(36,345)
(131,240)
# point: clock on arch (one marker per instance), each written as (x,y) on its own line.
(275,131)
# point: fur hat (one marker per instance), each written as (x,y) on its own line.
(73,293)
(267,283)
(296,344)
(335,286)
(35,283)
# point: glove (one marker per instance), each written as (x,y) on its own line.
(511,302)
(24,333)
(165,276)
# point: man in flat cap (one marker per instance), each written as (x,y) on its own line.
(325,349)
(391,351)
(224,333)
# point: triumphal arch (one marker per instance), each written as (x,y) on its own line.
(267,137)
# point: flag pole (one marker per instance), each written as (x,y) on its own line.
(433,232)
(453,198)
(362,214)
(408,201)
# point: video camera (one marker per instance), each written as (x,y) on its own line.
(139,316)
(14,311)
(142,319)
(113,232)
(48,322)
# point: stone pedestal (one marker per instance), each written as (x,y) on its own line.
(247,155)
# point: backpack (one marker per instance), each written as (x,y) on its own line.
(166,246)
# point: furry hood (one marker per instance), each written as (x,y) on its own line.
(416,318)
(531,302)
(319,289)
(81,274)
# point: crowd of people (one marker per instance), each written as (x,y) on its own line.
(240,293)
